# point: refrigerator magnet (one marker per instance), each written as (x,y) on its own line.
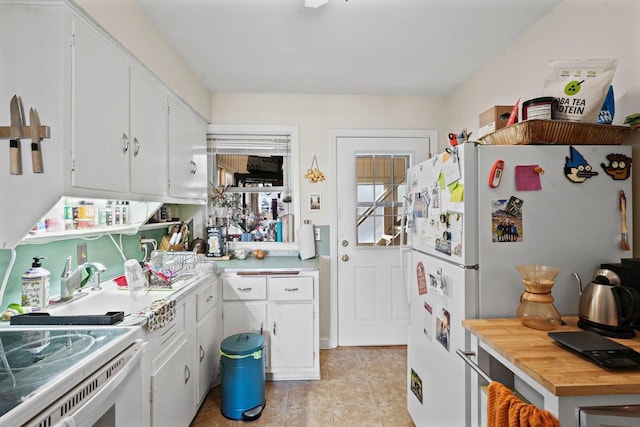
(421,277)
(495,176)
(428,320)
(416,385)
(576,168)
(619,167)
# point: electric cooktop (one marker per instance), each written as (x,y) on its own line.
(34,358)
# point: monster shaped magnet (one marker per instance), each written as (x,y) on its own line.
(619,167)
(576,167)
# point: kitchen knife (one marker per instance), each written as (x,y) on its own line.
(17,122)
(36,154)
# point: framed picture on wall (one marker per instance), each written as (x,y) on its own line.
(314,202)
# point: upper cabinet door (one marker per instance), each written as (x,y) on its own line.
(149,135)
(187,153)
(100,113)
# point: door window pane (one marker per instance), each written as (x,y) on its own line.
(380,183)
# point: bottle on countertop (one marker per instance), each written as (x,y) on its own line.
(35,286)
(66,293)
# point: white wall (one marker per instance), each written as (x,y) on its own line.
(576,29)
(126,21)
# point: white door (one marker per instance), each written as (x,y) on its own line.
(371,180)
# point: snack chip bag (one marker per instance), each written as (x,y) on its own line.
(579,87)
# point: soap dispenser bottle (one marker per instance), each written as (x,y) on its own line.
(35,286)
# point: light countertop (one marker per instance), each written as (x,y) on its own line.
(113,298)
(269,263)
(558,370)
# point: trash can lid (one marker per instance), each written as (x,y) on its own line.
(244,343)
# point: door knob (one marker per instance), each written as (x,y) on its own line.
(345,258)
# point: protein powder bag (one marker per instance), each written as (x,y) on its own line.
(579,87)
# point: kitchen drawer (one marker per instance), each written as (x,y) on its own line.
(290,288)
(206,299)
(244,288)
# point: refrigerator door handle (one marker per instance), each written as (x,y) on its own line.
(404,249)
(466,356)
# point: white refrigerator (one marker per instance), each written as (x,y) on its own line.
(476,211)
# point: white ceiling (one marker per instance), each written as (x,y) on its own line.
(383,47)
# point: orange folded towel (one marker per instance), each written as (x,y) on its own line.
(504,409)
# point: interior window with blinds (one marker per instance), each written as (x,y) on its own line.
(253,173)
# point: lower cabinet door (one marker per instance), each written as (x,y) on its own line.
(173,391)
(208,354)
(246,316)
(291,331)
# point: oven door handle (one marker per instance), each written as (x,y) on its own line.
(86,410)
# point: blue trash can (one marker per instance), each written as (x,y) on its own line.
(242,369)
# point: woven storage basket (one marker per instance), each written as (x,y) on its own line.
(557,132)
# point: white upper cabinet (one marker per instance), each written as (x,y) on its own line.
(149,132)
(119,120)
(101,139)
(108,118)
(187,153)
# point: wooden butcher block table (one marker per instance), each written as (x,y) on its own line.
(560,371)
(561,380)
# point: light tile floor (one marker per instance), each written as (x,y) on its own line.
(359,386)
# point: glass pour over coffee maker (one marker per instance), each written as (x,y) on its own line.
(536,309)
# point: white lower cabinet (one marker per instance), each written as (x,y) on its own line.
(172,384)
(173,394)
(207,339)
(185,357)
(284,310)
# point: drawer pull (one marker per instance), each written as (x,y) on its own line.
(209,298)
(245,289)
(465,355)
(274,329)
(201,353)
(291,289)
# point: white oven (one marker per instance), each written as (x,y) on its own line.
(71,377)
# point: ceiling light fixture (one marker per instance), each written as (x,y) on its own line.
(315,3)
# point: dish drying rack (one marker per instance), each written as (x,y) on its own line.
(176,266)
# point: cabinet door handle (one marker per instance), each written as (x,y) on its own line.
(209,298)
(125,143)
(136,147)
(201,353)
(245,289)
(274,329)
(194,167)
(262,328)
(291,289)
(187,374)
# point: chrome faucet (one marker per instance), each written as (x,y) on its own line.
(97,268)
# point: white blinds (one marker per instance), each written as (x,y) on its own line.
(257,145)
